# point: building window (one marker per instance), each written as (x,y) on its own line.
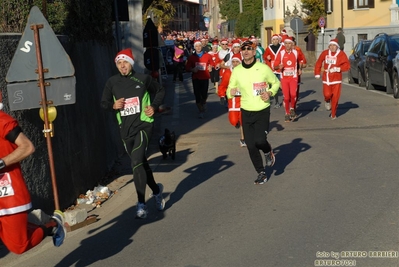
(356,4)
(362,36)
(362,3)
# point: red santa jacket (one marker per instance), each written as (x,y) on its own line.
(334,65)
(270,52)
(233,103)
(14,195)
(290,61)
(202,63)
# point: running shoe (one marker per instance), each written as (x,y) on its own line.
(293,115)
(262,178)
(287,118)
(327,105)
(142,211)
(242,143)
(201,115)
(159,201)
(277,105)
(60,231)
(270,158)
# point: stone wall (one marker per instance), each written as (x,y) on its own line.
(86,141)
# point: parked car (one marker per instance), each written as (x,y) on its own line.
(379,61)
(395,84)
(357,61)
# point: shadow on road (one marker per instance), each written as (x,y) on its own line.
(285,154)
(197,175)
(108,239)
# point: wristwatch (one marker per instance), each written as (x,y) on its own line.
(2,164)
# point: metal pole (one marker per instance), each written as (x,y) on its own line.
(240,1)
(40,72)
(296,30)
(117,29)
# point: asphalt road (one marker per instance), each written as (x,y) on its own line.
(332,197)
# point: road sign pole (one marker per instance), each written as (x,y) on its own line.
(40,72)
(296,31)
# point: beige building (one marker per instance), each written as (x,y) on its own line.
(360,19)
(274,13)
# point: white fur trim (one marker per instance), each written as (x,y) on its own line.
(124,57)
(334,43)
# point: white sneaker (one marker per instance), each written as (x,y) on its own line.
(159,201)
(242,143)
(327,105)
(142,211)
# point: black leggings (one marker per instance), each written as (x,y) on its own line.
(255,125)
(136,147)
(201,90)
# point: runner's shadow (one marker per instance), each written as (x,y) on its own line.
(197,175)
(108,239)
(345,107)
(285,154)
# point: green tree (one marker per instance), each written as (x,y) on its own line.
(248,22)
(162,10)
(14,14)
(314,9)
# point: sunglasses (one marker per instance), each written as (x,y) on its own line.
(224,44)
(247,48)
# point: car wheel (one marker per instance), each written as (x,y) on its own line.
(350,77)
(369,86)
(396,85)
(388,83)
(360,79)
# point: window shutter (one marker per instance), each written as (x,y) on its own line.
(328,6)
(371,3)
(351,4)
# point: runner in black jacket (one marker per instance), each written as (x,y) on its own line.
(128,95)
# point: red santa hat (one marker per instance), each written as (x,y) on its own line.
(252,38)
(237,57)
(197,41)
(224,40)
(275,36)
(215,43)
(284,32)
(334,42)
(125,54)
(236,42)
(286,38)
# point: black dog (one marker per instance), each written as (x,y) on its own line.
(167,144)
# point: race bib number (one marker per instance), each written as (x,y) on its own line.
(6,189)
(132,106)
(259,88)
(200,65)
(289,72)
(331,60)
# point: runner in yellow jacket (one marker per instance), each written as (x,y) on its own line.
(257,83)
